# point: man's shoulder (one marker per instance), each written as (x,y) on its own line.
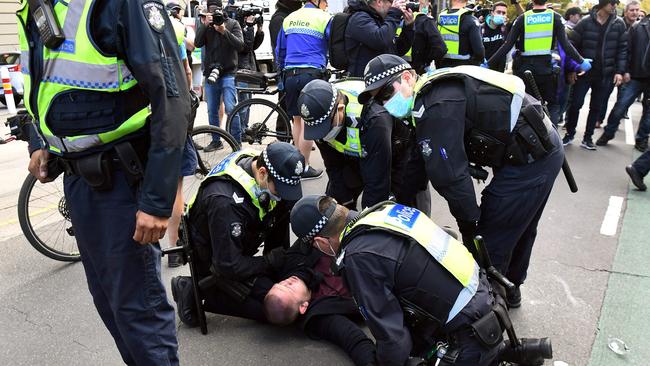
(224,192)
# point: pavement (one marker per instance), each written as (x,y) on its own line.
(583,286)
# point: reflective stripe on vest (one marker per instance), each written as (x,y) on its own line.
(307,21)
(447,251)
(538,32)
(77,65)
(228,167)
(449,27)
(352,147)
(510,83)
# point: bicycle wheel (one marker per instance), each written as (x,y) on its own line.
(267,122)
(202,136)
(45,220)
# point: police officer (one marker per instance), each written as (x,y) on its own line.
(358,149)
(428,44)
(236,209)
(413,283)
(535,34)
(460,31)
(119,130)
(301,54)
(473,115)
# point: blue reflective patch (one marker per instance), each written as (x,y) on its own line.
(363,311)
(68,46)
(449,19)
(401,216)
(222,165)
(539,19)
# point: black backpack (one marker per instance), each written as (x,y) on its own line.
(339,58)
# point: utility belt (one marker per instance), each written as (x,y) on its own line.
(319,73)
(97,169)
(528,142)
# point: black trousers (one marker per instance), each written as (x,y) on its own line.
(344,333)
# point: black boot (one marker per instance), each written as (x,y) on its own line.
(183,295)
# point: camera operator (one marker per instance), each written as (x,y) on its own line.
(223,40)
(253,38)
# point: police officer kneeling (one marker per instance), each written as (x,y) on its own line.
(413,283)
(470,114)
(235,210)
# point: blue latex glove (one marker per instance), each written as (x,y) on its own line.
(485,64)
(585,65)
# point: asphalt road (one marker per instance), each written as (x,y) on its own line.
(47,316)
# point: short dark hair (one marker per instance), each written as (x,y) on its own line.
(498,3)
(571,12)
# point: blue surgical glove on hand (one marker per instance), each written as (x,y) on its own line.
(485,64)
(585,65)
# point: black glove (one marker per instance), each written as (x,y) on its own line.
(468,232)
(275,259)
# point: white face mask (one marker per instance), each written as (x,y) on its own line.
(331,253)
(334,131)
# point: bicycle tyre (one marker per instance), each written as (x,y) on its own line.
(282,118)
(29,231)
(204,167)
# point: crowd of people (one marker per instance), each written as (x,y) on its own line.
(426,101)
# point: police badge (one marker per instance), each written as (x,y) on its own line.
(304,111)
(299,168)
(153,12)
(235,229)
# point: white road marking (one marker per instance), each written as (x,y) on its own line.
(629,132)
(613,213)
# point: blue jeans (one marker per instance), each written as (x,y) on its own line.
(632,90)
(600,86)
(642,164)
(123,276)
(244,113)
(225,86)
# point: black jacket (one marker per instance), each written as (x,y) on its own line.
(225,226)
(221,49)
(607,50)
(120,28)
(639,50)
(252,40)
(367,35)
(427,43)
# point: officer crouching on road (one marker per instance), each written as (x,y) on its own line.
(414,284)
(119,131)
(363,149)
(468,114)
(243,202)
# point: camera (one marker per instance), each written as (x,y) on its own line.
(413,5)
(218,18)
(243,11)
(214,74)
(20,126)
(531,351)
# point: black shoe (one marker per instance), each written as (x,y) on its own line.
(603,139)
(214,146)
(567,140)
(587,144)
(174,260)
(636,178)
(183,295)
(312,173)
(513,298)
(641,145)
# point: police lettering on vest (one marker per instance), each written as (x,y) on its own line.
(538,33)
(449,27)
(228,167)
(77,65)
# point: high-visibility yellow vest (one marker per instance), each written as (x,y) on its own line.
(76,65)
(229,167)
(409,222)
(352,146)
(538,32)
(309,21)
(179,30)
(449,27)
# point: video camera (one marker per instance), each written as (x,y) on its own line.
(413,5)
(20,126)
(218,18)
(243,11)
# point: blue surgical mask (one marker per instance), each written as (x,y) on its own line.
(398,106)
(498,19)
(424,10)
(259,191)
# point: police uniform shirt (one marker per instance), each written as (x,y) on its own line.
(440,135)
(225,223)
(539,65)
(122,28)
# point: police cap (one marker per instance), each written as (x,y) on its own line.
(379,71)
(317,103)
(173,5)
(285,164)
(307,221)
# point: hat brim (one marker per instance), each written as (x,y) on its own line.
(288,192)
(366,94)
(319,131)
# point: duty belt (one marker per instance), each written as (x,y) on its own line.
(322,73)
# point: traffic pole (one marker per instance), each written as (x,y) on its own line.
(9,93)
